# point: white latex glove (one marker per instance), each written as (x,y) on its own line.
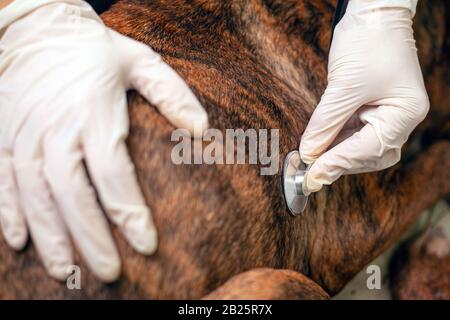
(375,87)
(63,83)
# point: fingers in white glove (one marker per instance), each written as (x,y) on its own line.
(334,110)
(375,147)
(161,85)
(113,172)
(47,229)
(394,119)
(12,220)
(76,199)
(362,152)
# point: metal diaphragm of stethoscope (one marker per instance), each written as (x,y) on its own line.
(292,182)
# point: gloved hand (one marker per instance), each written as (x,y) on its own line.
(374,99)
(63,83)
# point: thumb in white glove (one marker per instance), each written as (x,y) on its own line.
(374,78)
(63,100)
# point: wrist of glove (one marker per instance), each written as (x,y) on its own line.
(63,83)
(365,6)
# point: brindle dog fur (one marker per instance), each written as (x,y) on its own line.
(420,269)
(224,230)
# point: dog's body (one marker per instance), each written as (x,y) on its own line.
(253,64)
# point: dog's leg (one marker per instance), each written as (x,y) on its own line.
(381,207)
(266,284)
(421,269)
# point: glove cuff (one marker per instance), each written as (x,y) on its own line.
(359,6)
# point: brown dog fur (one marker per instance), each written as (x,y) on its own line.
(421,268)
(253,64)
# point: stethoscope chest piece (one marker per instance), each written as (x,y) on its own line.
(292,179)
